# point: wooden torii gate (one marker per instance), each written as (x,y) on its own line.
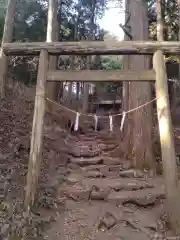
(158,74)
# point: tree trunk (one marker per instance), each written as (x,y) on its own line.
(140,93)
(7,37)
(52,36)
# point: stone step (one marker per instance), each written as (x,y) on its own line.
(99,135)
(102,167)
(101,170)
(87,161)
(108,160)
(79,188)
(94,174)
(115,190)
(95,171)
(83,153)
(107,147)
(141,198)
(75,192)
(117,184)
(107,142)
(102,159)
(87,139)
(132,173)
(94,145)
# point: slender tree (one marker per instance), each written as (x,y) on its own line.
(89,59)
(126,59)
(52,29)
(75,38)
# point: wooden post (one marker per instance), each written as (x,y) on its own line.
(166,131)
(101,76)
(167,142)
(37,131)
(7,37)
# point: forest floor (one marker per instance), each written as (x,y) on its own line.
(85,191)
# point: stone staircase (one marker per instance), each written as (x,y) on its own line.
(94,180)
(95,175)
(105,198)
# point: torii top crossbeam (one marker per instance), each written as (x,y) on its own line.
(93,47)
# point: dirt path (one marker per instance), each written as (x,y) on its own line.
(85,191)
(97,220)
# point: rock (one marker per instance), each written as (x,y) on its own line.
(4,205)
(48,202)
(131,173)
(126,165)
(140,197)
(107,222)
(5,229)
(145,217)
(115,168)
(3,166)
(107,147)
(135,225)
(111,161)
(118,152)
(130,185)
(76,192)
(116,184)
(87,161)
(49,191)
(106,170)
(73,166)
(94,174)
(98,193)
(98,167)
(57,182)
(73,178)
(148,200)
(101,170)
(84,152)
